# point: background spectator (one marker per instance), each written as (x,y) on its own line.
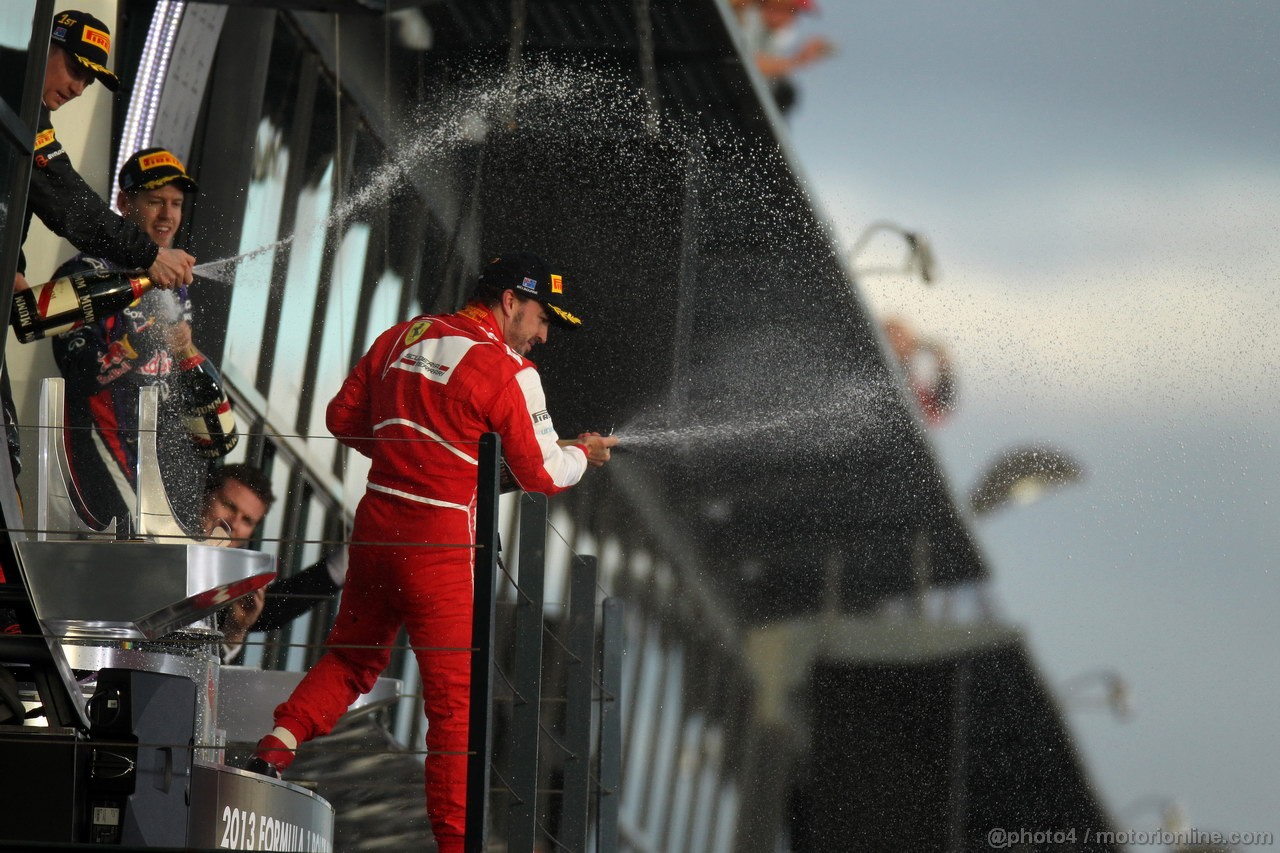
(769,29)
(236,501)
(928,368)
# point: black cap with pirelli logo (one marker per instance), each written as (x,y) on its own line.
(152,168)
(531,277)
(88,40)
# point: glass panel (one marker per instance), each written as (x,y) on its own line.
(273,524)
(263,205)
(668,739)
(335,344)
(556,580)
(637,748)
(726,819)
(302,283)
(15,24)
(16,17)
(300,629)
(384,307)
(682,799)
(254,652)
(354,475)
(317,258)
(704,807)
(313,547)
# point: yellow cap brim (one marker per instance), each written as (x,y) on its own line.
(565,318)
(188,185)
(109,79)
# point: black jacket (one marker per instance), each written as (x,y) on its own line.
(71,209)
(288,598)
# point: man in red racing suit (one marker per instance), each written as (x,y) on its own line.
(417,404)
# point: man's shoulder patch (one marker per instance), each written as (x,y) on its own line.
(416,331)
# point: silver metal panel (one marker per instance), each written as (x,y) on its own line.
(249,697)
(56,516)
(236,810)
(193,657)
(136,590)
(153,515)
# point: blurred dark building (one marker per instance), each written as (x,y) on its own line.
(810,664)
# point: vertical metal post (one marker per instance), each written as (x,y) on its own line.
(686,298)
(648,68)
(610,748)
(958,813)
(515,50)
(480,730)
(526,680)
(921,569)
(16,173)
(577,718)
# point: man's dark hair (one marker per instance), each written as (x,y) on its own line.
(506,272)
(252,478)
(489,294)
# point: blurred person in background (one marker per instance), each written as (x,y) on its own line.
(929,372)
(768,27)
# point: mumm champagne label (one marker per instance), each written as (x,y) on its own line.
(66,303)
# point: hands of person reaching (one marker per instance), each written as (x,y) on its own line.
(172,267)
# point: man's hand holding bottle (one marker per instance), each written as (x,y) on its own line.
(171,268)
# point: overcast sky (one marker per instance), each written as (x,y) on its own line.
(1101,185)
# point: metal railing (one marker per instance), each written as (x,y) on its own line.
(586,736)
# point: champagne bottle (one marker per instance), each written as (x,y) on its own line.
(205,407)
(74,300)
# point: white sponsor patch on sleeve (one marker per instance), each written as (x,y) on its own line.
(536,402)
(565,466)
